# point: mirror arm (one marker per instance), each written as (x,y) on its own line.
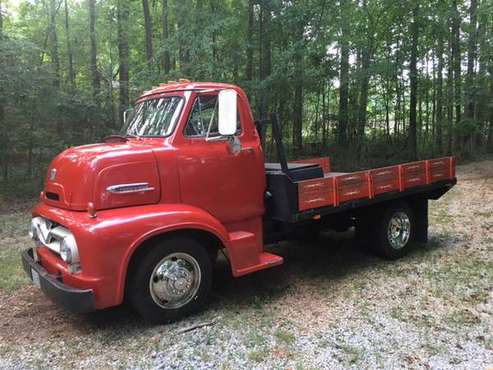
(218,138)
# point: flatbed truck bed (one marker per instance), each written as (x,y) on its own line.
(325,192)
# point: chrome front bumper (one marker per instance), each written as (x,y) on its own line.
(75,300)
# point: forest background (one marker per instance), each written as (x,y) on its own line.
(367,82)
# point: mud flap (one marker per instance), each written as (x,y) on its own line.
(420,211)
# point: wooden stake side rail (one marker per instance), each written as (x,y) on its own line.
(334,189)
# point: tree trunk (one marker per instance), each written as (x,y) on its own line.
(489,142)
(264,57)
(148,33)
(183,48)
(398,93)
(413,74)
(166,60)
(469,105)
(456,60)
(55,57)
(344,76)
(298,91)
(3,129)
(426,88)
(214,10)
(363,98)
(122,15)
(450,96)
(325,101)
(249,43)
(96,83)
(70,56)
(439,95)
(4,150)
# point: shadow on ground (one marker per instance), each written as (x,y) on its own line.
(332,257)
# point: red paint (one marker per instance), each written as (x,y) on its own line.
(196,184)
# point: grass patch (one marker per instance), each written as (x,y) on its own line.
(442,217)
(12,275)
(463,317)
(354,353)
(13,239)
(458,280)
(484,214)
(256,339)
(258,355)
(284,337)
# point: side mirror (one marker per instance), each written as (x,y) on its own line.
(227,112)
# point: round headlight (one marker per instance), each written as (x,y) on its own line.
(68,250)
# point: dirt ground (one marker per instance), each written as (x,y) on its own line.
(329,306)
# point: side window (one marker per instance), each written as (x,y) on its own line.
(203,120)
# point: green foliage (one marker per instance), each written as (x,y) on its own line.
(294,48)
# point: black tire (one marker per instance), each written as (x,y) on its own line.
(389,244)
(139,286)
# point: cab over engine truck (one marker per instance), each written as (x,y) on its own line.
(142,216)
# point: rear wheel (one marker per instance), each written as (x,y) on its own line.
(393,231)
(171,280)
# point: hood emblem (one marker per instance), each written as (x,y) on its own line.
(53,174)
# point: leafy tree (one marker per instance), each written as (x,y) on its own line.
(358,80)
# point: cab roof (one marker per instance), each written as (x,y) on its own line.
(186,85)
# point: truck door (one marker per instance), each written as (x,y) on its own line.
(223,176)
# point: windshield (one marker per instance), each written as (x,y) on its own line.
(155,117)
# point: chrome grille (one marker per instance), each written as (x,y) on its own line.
(49,233)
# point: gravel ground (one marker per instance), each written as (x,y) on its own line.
(329,305)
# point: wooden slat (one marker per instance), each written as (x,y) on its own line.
(440,169)
(384,180)
(352,186)
(315,193)
(413,174)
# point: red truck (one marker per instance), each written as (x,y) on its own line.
(141,217)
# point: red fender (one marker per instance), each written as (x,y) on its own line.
(120,232)
(171,218)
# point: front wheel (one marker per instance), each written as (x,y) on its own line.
(171,280)
(394,231)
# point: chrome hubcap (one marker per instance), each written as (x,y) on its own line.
(175,280)
(399,230)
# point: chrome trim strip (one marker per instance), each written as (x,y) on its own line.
(130,188)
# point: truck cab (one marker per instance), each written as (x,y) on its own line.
(142,216)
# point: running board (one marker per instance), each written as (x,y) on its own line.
(246,256)
(266,260)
